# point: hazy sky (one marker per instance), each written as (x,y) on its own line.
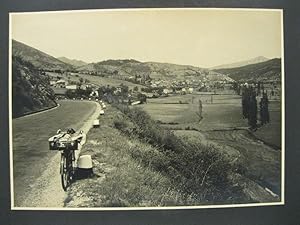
(196,37)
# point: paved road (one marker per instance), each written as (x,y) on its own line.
(36,168)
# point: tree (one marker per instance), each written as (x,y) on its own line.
(252,119)
(264,109)
(81,80)
(141,97)
(135,88)
(258,88)
(245,102)
(200,109)
(249,105)
(237,88)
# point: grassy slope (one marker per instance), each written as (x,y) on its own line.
(119,179)
(30,139)
(261,163)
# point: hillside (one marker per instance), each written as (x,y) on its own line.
(150,70)
(264,71)
(258,59)
(38,58)
(31,91)
(73,62)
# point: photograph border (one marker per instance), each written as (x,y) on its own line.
(282,197)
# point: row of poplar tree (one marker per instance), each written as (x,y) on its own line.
(249,104)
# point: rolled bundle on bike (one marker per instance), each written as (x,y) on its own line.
(68,140)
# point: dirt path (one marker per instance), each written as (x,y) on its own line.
(46,191)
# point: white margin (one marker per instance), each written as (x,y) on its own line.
(10,115)
(282,114)
(282,202)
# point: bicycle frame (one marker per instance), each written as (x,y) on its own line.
(67,167)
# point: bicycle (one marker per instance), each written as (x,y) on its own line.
(66,142)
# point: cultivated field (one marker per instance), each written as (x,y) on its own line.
(30,141)
(271,133)
(218,111)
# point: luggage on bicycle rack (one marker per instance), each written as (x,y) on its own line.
(64,141)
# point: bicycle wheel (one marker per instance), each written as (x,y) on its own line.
(64,172)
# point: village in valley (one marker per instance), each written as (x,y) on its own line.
(74,85)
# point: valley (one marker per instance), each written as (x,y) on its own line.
(179,126)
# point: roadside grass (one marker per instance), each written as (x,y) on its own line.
(120,178)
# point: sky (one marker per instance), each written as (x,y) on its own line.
(203,38)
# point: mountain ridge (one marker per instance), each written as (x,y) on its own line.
(37,58)
(265,71)
(255,60)
(155,70)
(74,62)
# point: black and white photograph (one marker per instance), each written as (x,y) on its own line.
(132,109)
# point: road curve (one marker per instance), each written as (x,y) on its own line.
(36,180)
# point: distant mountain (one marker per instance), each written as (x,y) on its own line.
(38,58)
(264,71)
(31,90)
(258,59)
(73,62)
(128,68)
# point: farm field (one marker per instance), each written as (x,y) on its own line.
(219,111)
(177,110)
(172,113)
(30,140)
(224,112)
(271,133)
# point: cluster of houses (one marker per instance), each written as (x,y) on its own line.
(61,86)
(61,83)
(188,86)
